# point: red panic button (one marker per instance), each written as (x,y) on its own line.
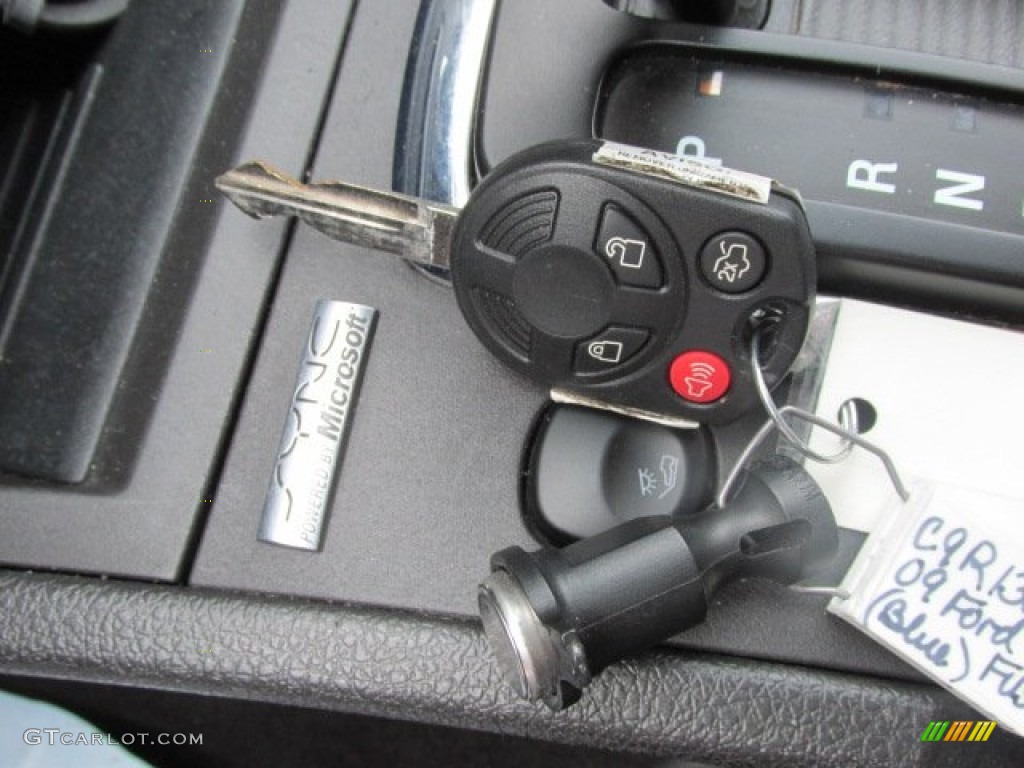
(700,377)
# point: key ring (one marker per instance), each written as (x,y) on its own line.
(847,415)
(777,420)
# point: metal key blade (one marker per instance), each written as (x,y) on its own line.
(417,230)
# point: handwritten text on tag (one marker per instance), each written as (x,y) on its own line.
(943,587)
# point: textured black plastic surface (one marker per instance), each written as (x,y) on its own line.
(564,290)
(240,733)
(148,486)
(700,706)
(588,470)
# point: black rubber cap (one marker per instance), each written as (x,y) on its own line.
(564,292)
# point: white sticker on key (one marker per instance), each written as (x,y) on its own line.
(941,583)
(686,170)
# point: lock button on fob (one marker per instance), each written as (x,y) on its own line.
(614,346)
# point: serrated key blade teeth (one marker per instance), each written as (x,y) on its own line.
(384,221)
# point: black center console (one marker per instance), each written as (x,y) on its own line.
(150,338)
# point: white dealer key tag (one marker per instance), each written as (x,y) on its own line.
(941,584)
(939,581)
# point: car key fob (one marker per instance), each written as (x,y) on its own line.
(634,278)
(619,277)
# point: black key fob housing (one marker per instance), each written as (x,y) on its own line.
(634,279)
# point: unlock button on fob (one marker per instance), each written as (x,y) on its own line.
(609,349)
(628,250)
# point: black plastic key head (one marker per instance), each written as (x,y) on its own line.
(634,278)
